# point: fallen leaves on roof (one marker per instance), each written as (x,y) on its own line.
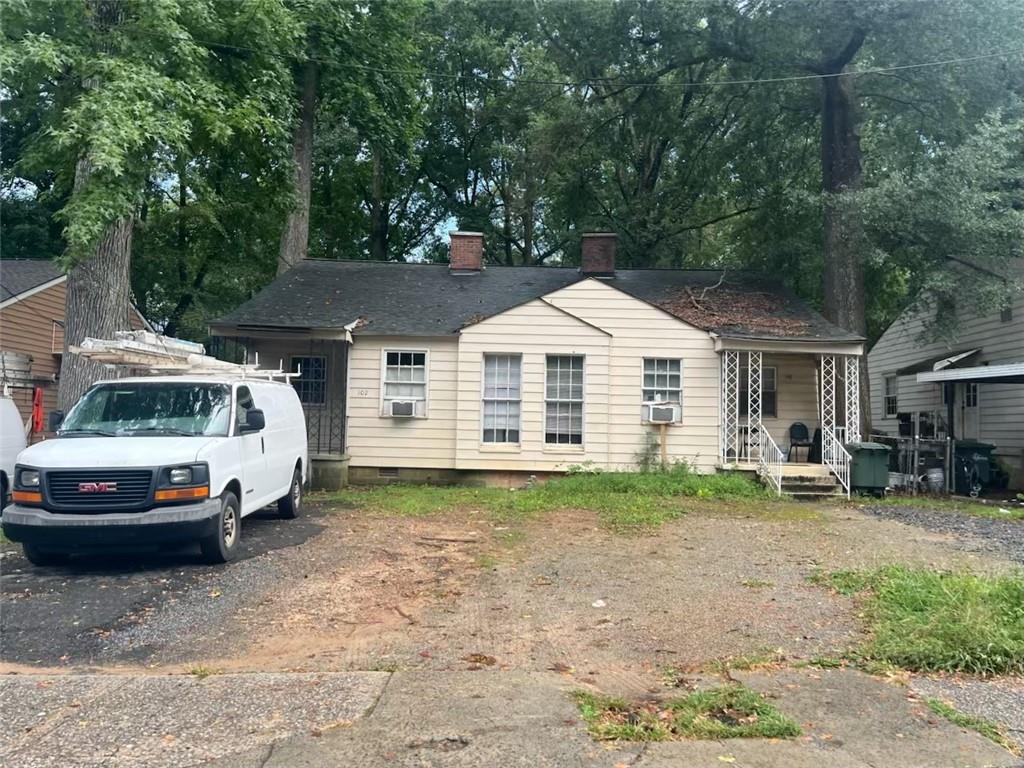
(721,308)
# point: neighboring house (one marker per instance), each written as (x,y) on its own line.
(984,365)
(32,298)
(433,372)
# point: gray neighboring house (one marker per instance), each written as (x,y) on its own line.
(983,365)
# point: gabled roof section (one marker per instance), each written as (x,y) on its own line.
(20,276)
(400,299)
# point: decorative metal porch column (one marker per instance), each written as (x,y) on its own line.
(828,393)
(852,399)
(730,406)
(753,405)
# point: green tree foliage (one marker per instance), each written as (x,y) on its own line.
(693,129)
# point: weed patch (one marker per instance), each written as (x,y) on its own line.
(935,621)
(986,728)
(746,663)
(623,500)
(201,672)
(721,713)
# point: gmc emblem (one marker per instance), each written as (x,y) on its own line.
(97,487)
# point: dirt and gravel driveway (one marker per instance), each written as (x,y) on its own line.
(341,591)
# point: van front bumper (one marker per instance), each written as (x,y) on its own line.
(58,531)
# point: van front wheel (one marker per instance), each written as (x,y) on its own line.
(221,545)
(44,557)
(288,506)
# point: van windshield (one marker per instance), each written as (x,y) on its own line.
(157,408)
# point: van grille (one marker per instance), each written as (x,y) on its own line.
(131,489)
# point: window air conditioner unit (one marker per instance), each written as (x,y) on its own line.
(402,408)
(662,413)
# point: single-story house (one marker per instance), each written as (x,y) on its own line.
(32,304)
(438,371)
(977,377)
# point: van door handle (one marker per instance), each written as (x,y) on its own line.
(263,448)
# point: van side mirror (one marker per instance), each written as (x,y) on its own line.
(254,421)
(56,419)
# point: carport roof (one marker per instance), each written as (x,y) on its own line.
(1006,373)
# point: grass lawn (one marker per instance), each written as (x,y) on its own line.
(941,504)
(933,621)
(627,500)
(728,712)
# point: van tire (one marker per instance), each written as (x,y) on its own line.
(221,545)
(43,557)
(289,506)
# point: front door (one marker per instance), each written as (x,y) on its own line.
(255,485)
(967,399)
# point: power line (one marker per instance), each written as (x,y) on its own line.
(619,83)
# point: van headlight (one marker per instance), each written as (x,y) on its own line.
(28,478)
(180,476)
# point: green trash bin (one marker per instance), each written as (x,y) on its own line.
(869,467)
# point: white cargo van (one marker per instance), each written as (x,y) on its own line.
(160,460)
(12,442)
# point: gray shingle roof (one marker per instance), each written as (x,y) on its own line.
(20,275)
(399,299)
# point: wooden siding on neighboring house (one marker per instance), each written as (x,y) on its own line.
(34,325)
(1000,406)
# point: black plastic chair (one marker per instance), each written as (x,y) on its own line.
(799,437)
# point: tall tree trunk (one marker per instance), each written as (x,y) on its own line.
(528,225)
(295,238)
(378,213)
(844,245)
(97,302)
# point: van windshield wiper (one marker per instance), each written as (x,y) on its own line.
(163,431)
(100,432)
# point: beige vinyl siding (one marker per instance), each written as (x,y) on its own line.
(533,331)
(1001,406)
(796,384)
(639,330)
(377,441)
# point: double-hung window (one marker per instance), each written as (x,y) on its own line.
(563,400)
(890,403)
(502,385)
(663,380)
(769,392)
(311,384)
(405,381)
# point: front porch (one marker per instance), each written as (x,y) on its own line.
(788,415)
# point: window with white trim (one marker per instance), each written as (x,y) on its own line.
(971,394)
(501,395)
(892,385)
(663,380)
(405,379)
(311,385)
(769,392)
(563,400)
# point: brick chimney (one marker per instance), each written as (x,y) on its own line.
(598,253)
(467,252)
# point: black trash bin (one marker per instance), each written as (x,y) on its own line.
(869,467)
(975,469)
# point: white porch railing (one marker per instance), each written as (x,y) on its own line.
(836,458)
(769,461)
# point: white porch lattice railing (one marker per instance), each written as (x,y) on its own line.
(769,461)
(836,458)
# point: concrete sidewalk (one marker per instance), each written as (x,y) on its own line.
(447,720)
